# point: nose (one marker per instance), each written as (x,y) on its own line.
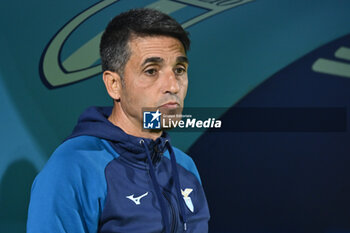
(171,83)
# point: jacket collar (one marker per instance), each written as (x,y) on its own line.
(94,122)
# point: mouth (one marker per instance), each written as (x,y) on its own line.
(170,105)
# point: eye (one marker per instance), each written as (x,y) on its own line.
(151,72)
(179,70)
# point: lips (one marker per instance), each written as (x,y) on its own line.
(170,105)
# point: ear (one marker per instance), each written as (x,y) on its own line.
(113,84)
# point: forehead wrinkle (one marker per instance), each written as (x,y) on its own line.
(151,47)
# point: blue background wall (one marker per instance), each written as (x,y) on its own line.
(261,53)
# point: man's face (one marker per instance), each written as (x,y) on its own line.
(155,76)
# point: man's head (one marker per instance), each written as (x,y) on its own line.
(114,49)
(144,61)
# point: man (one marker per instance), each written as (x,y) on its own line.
(111,175)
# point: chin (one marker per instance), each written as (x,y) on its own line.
(170,111)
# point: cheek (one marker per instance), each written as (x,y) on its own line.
(132,97)
(184,87)
(143,98)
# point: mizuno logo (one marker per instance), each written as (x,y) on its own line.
(136,200)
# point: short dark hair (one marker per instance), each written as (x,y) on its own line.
(114,49)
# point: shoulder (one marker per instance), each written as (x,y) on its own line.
(71,182)
(82,151)
(186,162)
(76,161)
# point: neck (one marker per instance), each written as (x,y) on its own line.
(131,125)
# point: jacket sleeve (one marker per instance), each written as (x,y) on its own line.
(68,194)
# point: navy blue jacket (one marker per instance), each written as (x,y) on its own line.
(101,179)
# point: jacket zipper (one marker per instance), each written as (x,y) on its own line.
(155,158)
(172,213)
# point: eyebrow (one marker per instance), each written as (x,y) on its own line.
(153,60)
(181,59)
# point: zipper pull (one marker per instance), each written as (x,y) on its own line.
(185,226)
